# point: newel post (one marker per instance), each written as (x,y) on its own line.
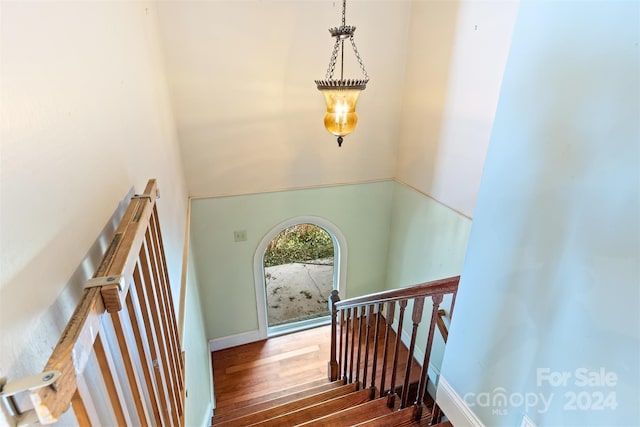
(333,367)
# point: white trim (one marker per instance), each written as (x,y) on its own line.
(206,421)
(234,340)
(454,406)
(185,273)
(295,188)
(211,387)
(527,422)
(339,267)
(429,196)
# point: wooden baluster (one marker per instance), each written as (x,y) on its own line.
(347,316)
(367,344)
(354,315)
(111,380)
(360,336)
(387,334)
(392,391)
(418,305)
(160,333)
(144,353)
(453,303)
(145,308)
(442,327)
(80,410)
(422,386)
(375,352)
(436,414)
(341,342)
(129,360)
(165,304)
(333,367)
(177,348)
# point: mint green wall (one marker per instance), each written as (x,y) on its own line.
(199,401)
(396,237)
(225,268)
(427,241)
(551,277)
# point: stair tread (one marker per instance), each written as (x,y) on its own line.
(288,406)
(279,399)
(401,418)
(353,415)
(294,394)
(317,410)
(237,403)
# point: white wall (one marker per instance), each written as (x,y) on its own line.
(551,275)
(85,117)
(455,59)
(225,268)
(248,113)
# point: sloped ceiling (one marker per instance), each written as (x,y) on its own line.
(248,114)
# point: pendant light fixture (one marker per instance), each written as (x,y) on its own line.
(341,95)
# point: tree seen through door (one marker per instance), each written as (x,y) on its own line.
(298,271)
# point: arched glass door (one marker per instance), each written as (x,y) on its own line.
(299,276)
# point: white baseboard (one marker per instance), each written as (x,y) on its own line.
(206,420)
(526,422)
(454,406)
(234,340)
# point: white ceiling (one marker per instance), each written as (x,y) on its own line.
(248,114)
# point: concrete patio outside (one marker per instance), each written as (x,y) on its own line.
(298,291)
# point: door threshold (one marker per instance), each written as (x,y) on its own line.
(287,328)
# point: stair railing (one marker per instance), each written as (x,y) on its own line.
(364,325)
(118,360)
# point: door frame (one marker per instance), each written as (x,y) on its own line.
(339,263)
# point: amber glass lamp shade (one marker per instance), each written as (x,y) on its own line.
(341,117)
(341,94)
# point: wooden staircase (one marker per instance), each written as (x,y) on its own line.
(366,356)
(323,404)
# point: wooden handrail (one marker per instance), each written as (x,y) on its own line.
(360,324)
(125,321)
(427,289)
(442,326)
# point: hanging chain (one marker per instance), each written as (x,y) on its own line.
(344,12)
(336,49)
(355,50)
(332,61)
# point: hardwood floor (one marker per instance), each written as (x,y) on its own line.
(268,369)
(252,372)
